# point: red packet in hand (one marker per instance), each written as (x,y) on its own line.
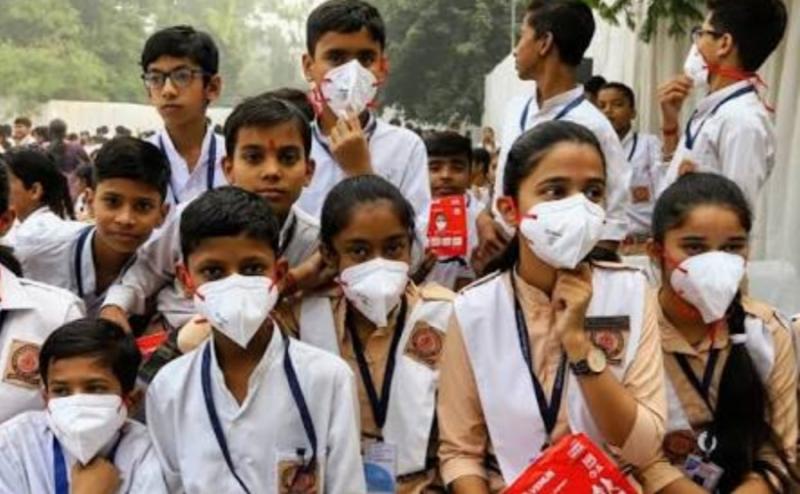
(575,465)
(447,227)
(149,343)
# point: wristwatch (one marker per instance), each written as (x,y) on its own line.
(593,364)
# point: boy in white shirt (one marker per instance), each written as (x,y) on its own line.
(554,37)
(131,179)
(30,312)
(250,410)
(730,132)
(643,151)
(449,167)
(181,75)
(83,443)
(268,141)
(346,41)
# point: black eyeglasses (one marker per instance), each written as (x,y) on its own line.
(698,32)
(180,78)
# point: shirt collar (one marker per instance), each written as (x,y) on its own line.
(628,137)
(710,102)
(672,341)
(271,356)
(172,152)
(556,103)
(529,295)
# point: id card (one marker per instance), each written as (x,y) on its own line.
(702,473)
(380,467)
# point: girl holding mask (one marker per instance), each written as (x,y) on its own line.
(553,343)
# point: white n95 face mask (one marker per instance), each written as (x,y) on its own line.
(563,232)
(237,306)
(696,68)
(709,282)
(349,87)
(375,287)
(85,423)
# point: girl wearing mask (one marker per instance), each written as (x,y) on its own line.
(730,368)
(579,337)
(388,330)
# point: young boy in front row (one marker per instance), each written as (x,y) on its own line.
(449,167)
(128,201)
(268,142)
(251,410)
(29,312)
(83,443)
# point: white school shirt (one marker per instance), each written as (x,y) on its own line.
(65,260)
(26,458)
(184,185)
(737,140)
(448,273)
(396,154)
(643,152)
(31,311)
(154,270)
(40,224)
(618,170)
(264,430)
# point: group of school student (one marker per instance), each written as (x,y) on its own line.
(309,347)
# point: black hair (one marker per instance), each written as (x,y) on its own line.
(33,166)
(265,111)
(228,212)
(448,143)
(182,42)
(523,158)
(7,257)
(484,158)
(626,91)
(297,97)
(86,173)
(98,338)
(693,190)
(23,121)
(344,16)
(594,84)
(741,419)
(134,159)
(43,131)
(5,188)
(571,23)
(757,27)
(350,193)
(57,129)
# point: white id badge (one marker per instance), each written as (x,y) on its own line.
(702,473)
(380,467)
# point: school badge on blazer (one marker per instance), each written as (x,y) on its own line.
(425,344)
(610,335)
(22,366)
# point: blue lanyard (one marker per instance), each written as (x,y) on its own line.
(370,131)
(563,113)
(211,162)
(78,260)
(635,144)
(60,465)
(297,395)
(690,139)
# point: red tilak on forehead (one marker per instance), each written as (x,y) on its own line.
(272,146)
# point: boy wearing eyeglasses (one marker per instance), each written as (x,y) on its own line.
(180,73)
(730,132)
